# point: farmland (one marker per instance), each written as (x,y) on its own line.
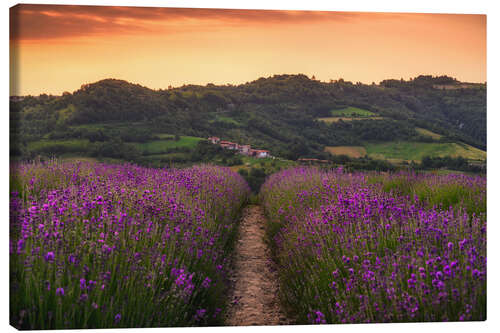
(123,214)
(417,150)
(162,146)
(292,116)
(426,132)
(73,145)
(352,151)
(337,119)
(363,248)
(349,114)
(352,112)
(398,152)
(91,244)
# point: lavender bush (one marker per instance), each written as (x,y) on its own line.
(95,245)
(359,248)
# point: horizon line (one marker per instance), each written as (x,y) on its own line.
(169,87)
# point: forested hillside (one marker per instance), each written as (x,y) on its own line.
(292,116)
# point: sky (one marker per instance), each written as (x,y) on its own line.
(57,48)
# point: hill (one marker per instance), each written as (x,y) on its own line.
(284,114)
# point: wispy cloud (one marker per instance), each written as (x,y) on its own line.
(39,22)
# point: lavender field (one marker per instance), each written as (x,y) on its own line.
(95,245)
(366,247)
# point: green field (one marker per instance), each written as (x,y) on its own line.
(67,145)
(73,158)
(351,151)
(407,151)
(337,119)
(426,132)
(352,112)
(171,156)
(164,136)
(162,146)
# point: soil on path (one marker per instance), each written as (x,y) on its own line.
(254,291)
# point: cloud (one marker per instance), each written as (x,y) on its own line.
(42,22)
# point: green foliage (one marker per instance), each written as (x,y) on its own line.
(276,113)
(351,112)
(255,178)
(115,149)
(443,195)
(163,146)
(458,163)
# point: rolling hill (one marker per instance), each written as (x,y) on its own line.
(292,116)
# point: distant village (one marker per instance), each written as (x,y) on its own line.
(242,149)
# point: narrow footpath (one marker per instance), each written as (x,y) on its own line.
(254,294)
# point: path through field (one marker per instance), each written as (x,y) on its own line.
(255,282)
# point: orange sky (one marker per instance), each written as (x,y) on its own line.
(58,48)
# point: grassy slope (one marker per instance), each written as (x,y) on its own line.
(351,151)
(349,114)
(161,146)
(417,150)
(74,143)
(426,132)
(352,112)
(75,148)
(336,119)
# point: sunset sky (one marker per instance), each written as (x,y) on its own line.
(59,48)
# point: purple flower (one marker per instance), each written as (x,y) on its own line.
(369,276)
(180,279)
(49,256)
(60,291)
(320,317)
(107,249)
(83,283)
(91,284)
(412,281)
(118,317)
(72,259)
(20,245)
(200,314)
(206,283)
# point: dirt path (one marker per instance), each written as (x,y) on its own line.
(255,282)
